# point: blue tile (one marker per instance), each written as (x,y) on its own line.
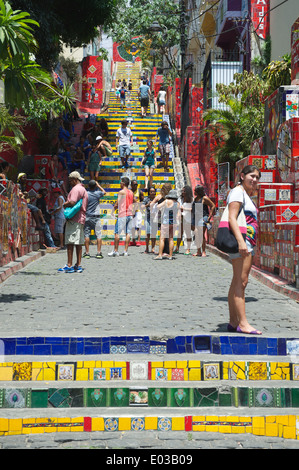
(253,349)
(183,349)
(189,339)
(96,349)
(240,348)
(226,349)
(171,346)
(36,340)
(272,351)
(180,340)
(44,349)
(281,347)
(189,348)
(21,341)
(9,346)
(20,350)
(105,348)
(58,349)
(202,343)
(53,340)
(262,346)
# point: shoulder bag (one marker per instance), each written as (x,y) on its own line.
(225,239)
(70,212)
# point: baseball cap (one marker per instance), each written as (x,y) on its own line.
(99,137)
(76,175)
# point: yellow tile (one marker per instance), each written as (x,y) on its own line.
(212,418)
(82,374)
(194,374)
(79,364)
(238,429)
(212,428)
(107,364)
(194,364)
(6,373)
(271,429)
(258,421)
(38,365)
(186,374)
(124,424)
(270,419)
(49,374)
(170,364)
(234,419)
(151,422)
(292,420)
(97,424)
(153,374)
(289,432)
(37,374)
(198,427)
(62,428)
(124,373)
(157,364)
(34,430)
(15,425)
(169,372)
(282,419)
(120,364)
(225,428)
(3,424)
(178,424)
(258,431)
(182,364)
(88,364)
(98,363)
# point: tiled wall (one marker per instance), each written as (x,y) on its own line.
(284,426)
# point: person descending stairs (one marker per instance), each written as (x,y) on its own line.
(142,128)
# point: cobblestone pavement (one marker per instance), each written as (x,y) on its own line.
(135,295)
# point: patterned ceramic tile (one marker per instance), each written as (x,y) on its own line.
(164,424)
(177,374)
(258,370)
(16,398)
(111,424)
(65,371)
(118,349)
(138,397)
(137,424)
(161,374)
(99,374)
(22,371)
(96,397)
(139,370)
(115,373)
(157,397)
(211,371)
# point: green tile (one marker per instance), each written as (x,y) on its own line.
(243,396)
(295,397)
(206,396)
(119,397)
(157,397)
(39,398)
(96,397)
(180,397)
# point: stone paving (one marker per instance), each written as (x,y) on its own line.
(137,295)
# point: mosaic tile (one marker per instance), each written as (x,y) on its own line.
(138,397)
(180,397)
(137,424)
(22,371)
(118,349)
(206,397)
(115,373)
(155,349)
(161,374)
(65,398)
(16,398)
(65,372)
(264,397)
(177,374)
(120,397)
(258,371)
(139,370)
(96,397)
(157,397)
(164,424)
(99,374)
(211,371)
(39,398)
(111,424)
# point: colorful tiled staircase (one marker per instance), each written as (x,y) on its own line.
(210,383)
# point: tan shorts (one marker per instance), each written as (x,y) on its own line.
(74,234)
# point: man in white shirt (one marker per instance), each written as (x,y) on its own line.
(124,141)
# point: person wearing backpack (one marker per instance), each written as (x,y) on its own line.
(123,91)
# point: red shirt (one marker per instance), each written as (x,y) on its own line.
(125,203)
(79,192)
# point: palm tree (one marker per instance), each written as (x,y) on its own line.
(233,130)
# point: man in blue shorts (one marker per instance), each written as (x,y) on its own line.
(144,94)
(164,134)
(124,141)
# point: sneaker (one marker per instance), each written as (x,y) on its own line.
(99,256)
(113,253)
(126,253)
(66,269)
(86,255)
(78,269)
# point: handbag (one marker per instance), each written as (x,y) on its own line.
(225,239)
(70,212)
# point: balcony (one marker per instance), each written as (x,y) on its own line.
(227,27)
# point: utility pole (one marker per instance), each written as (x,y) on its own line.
(183,42)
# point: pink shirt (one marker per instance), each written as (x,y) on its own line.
(78,192)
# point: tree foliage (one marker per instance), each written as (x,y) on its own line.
(72,22)
(135,20)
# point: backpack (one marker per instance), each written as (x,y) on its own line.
(122,93)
